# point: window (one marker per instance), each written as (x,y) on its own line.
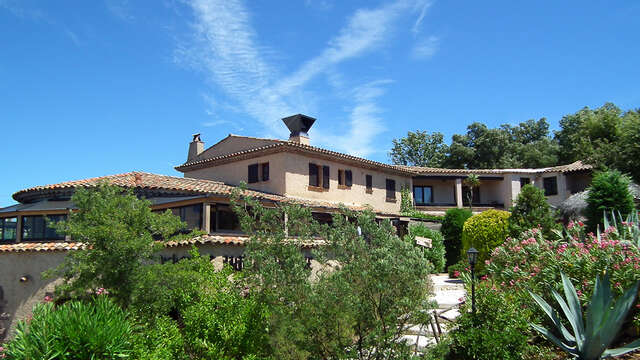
(258,172)
(524,181)
(313,175)
(322,218)
(253,174)
(423,195)
(191,214)
(550,185)
(391,189)
(225,219)
(466,192)
(36,228)
(8,227)
(369,183)
(345,178)
(325,176)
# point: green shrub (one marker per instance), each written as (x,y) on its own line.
(452,230)
(458,268)
(609,191)
(490,334)
(531,210)
(159,340)
(485,231)
(436,253)
(75,330)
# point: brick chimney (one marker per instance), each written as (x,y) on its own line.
(299,125)
(196,147)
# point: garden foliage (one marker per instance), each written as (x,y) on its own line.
(97,329)
(594,333)
(609,191)
(531,211)
(357,305)
(485,231)
(451,229)
(119,232)
(436,253)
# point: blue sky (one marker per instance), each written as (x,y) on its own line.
(91,88)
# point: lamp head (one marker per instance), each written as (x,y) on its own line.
(472,255)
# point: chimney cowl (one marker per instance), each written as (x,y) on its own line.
(299,126)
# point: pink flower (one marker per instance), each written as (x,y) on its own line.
(617,284)
(461,299)
(456,274)
(487,262)
(516,268)
(579,292)
(102,291)
(48,298)
(484,277)
(580,223)
(511,282)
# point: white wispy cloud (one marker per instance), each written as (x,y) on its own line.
(426,48)
(120,9)
(424,6)
(226,49)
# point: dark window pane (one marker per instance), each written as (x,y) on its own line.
(50,231)
(325,177)
(427,192)
(466,192)
(322,218)
(524,181)
(33,227)
(348,178)
(253,174)
(313,174)
(227,219)
(550,186)
(391,189)
(9,227)
(417,195)
(192,215)
(369,180)
(265,171)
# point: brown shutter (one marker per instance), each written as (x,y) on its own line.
(253,174)
(313,174)
(348,178)
(325,177)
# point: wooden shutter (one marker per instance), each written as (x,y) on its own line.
(265,171)
(325,177)
(313,174)
(369,180)
(391,189)
(348,178)
(253,174)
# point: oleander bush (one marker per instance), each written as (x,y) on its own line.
(531,210)
(97,329)
(436,253)
(451,229)
(533,263)
(485,232)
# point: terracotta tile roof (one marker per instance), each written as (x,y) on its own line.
(147,181)
(40,247)
(575,166)
(185,186)
(236,240)
(283,146)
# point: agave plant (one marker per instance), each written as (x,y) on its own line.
(592,336)
(627,229)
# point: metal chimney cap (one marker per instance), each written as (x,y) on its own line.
(299,124)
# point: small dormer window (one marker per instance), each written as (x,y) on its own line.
(258,172)
(345,179)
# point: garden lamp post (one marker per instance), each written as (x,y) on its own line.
(472,254)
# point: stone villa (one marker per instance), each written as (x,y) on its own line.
(276,171)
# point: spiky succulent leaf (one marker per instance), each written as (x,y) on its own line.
(622,350)
(570,340)
(549,335)
(574,305)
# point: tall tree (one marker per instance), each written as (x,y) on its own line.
(419,149)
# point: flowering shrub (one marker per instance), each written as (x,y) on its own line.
(534,263)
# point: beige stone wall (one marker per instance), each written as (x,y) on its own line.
(236,172)
(233,144)
(297,184)
(21,296)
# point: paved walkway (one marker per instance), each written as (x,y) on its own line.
(447,293)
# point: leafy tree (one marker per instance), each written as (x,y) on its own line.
(480,147)
(472,181)
(369,284)
(629,145)
(609,191)
(118,231)
(530,211)
(419,149)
